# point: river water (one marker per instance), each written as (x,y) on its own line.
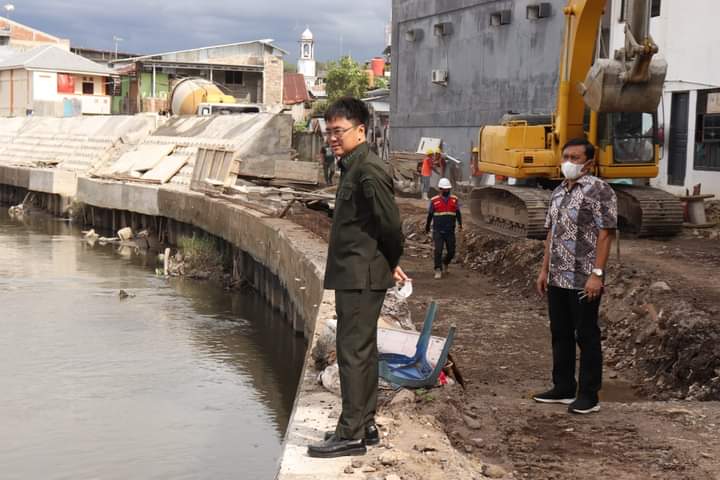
(181,381)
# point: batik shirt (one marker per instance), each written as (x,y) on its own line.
(575,217)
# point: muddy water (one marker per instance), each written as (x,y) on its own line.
(182,381)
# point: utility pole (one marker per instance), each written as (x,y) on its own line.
(9,8)
(117,40)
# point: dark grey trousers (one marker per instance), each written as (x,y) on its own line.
(357,315)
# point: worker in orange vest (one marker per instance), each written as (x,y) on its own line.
(443,214)
(426,170)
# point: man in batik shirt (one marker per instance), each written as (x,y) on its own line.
(581,220)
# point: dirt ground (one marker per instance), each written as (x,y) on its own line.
(660,413)
(503,350)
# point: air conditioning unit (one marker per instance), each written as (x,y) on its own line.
(413,35)
(442,29)
(503,17)
(440,76)
(538,11)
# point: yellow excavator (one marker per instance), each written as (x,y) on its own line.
(611,102)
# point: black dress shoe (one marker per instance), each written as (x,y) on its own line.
(337,447)
(372,436)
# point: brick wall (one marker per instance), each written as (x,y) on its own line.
(20,32)
(273,80)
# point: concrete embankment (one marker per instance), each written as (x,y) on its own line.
(283,261)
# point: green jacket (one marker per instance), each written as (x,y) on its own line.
(366,240)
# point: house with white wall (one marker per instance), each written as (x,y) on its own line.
(689,113)
(49,80)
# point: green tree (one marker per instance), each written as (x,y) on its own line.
(319,108)
(381,82)
(290,67)
(345,78)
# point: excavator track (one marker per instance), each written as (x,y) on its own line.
(520,211)
(512,211)
(648,212)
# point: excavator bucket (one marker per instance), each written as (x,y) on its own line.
(606,90)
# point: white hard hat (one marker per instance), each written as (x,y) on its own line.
(444,183)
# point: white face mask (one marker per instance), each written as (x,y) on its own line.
(572,171)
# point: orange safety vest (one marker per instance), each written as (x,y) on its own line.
(427,166)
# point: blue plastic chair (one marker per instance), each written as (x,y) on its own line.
(416,371)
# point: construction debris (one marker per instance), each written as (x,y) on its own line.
(404,170)
(125,234)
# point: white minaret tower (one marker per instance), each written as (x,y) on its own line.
(306,62)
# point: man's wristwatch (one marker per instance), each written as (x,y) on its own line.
(598,272)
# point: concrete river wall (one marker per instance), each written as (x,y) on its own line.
(53,164)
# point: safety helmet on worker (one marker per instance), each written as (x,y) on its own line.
(444,184)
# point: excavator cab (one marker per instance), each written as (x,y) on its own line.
(633,137)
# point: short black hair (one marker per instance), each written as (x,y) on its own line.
(348,107)
(582,142)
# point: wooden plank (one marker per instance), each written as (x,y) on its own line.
(300,172)
(213,167)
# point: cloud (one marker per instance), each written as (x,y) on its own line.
(154,26)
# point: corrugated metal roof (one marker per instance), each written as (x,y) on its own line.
(7,52)
(53,58)
(267,41)
(294,89)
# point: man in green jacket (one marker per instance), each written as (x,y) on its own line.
(366,243)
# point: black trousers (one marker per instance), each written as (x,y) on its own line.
(444,240)
(357,316)
(575,321)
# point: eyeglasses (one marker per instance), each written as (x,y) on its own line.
(338,133)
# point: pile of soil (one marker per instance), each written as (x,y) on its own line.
(317,222)
(672,344)
(514,261)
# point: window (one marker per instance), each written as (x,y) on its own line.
(88,86)
(234,78)
(306,50)
(707,131)
(634,137)
(655,9)
(710,128)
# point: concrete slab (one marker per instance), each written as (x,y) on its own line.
(136,198)
(167,168)
(61,182)
(141,159)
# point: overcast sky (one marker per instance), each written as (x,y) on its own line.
(153,26)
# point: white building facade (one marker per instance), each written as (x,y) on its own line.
(690,110)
